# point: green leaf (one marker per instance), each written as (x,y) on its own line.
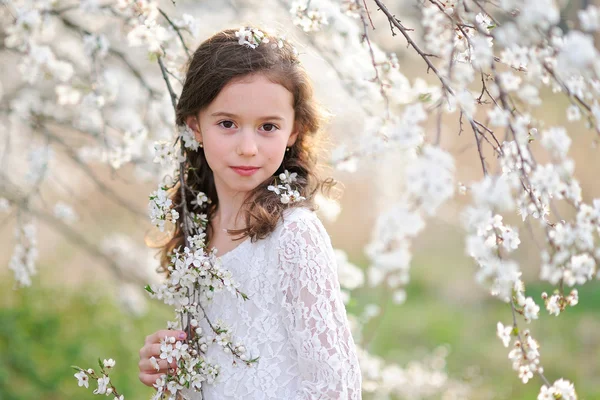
(425,97)
(149,289)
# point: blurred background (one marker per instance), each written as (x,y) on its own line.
(76,310)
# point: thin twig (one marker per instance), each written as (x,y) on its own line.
(105,190)
(177,30)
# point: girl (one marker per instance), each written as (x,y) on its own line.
(249,104)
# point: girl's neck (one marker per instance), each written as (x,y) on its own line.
(229,215)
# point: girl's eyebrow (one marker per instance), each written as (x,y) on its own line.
(226,114)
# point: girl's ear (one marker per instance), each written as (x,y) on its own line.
(293,136)
(192,122)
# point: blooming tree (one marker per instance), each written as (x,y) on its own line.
(113,78)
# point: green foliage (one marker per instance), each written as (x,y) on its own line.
(44,331)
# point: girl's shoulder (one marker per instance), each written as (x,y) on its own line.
(296,213)
(298,221)
(294,216)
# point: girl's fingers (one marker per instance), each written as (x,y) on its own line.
(148,373)
(157,336)
(149,379)
(145,365)
(150,350)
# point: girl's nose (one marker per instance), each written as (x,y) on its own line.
(247,143)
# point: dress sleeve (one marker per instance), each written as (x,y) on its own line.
(314,313)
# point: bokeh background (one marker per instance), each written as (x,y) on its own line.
(76,312)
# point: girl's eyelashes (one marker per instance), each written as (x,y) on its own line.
(268,127)
(224,123)
(273,127)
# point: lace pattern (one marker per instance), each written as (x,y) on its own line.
(294,320)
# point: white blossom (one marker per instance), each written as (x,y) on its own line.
(102,385)
(350,276)
(589,18)
(504,333)
(82,379)
(556,141)
(65,212)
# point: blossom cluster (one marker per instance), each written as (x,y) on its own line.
(284,190)
(525,357)
(515,54)
(195,276)
(309,19)
(463,39)
(105,386)
(160,208)
(560,389)
(25,253)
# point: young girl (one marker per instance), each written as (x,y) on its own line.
(249,103)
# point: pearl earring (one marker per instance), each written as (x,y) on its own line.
(287,149)
(201,145)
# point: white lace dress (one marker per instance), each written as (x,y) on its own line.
(295,319)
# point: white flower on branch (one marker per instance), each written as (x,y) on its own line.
(89,6)
(189,23)
(67,95)
(4,204)
(515,56)
(286,193)
(141,9)
(530,95)
(65,212)
(579,270)
(82,379)
(573,113)
(589,18)
(328,208)
(530,310)
(481,54)
(494,192)
(498,117)
(188,137)
(430,178)
(28,21)
(25,253)
(151,35)
(504,333)
(577,55)
(509,81)
(525,357)
(350,276)
(166,154)
(102,385)
(159,208)
(310,20)
(96,45)
(560,389)
(552,305)
(556,141)
(40,62)
(251,37)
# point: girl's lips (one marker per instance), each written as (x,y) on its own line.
(245,171)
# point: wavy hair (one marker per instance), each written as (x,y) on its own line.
(216,62)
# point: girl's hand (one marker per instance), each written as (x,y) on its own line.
(148,372)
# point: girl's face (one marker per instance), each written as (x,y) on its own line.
(245,132)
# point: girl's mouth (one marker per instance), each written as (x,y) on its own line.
(244,170)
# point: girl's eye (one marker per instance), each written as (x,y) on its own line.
(269,128)
(226,124)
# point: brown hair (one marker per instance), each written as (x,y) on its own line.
(216,62)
